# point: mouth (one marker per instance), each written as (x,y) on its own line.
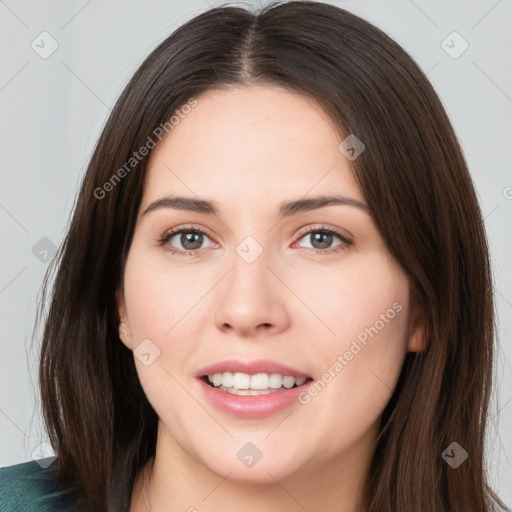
(251,389)
(245,384)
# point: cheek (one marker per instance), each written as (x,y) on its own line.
(158,302)
(361,362)
(171,307)
(365,299)
(159,297)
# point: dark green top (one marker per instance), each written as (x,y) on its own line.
(31,487)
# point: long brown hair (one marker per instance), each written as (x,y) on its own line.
(416,183)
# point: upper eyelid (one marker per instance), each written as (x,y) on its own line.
(181,229)
(301,231)
(322,227)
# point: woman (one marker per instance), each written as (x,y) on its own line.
(276,279)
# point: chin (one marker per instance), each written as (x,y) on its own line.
(251,462)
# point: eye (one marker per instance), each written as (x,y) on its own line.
(321,239)
(191,240)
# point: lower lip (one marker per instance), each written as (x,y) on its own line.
(247,406)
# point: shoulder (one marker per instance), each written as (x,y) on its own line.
(31,487)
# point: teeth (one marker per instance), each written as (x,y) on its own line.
(258,381)
(227,379)
(288,382)
(275,381)
(245,384)
(245,392)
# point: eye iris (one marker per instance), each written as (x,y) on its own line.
(189,237)
(325,240)
(319,240)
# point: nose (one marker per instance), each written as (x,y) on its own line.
(251,299)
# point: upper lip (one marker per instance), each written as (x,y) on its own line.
(251,368)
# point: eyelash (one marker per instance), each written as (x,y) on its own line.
(315,229)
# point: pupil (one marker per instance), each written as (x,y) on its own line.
(189,238)
(325,240)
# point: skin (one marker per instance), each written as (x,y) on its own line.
(249,149)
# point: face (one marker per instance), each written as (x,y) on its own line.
(254,288)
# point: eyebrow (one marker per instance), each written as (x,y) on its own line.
(286,209)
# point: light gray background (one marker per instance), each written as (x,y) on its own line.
(52,110)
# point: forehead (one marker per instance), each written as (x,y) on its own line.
(257,143)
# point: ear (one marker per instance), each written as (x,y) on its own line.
(417,341)
(124,326)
